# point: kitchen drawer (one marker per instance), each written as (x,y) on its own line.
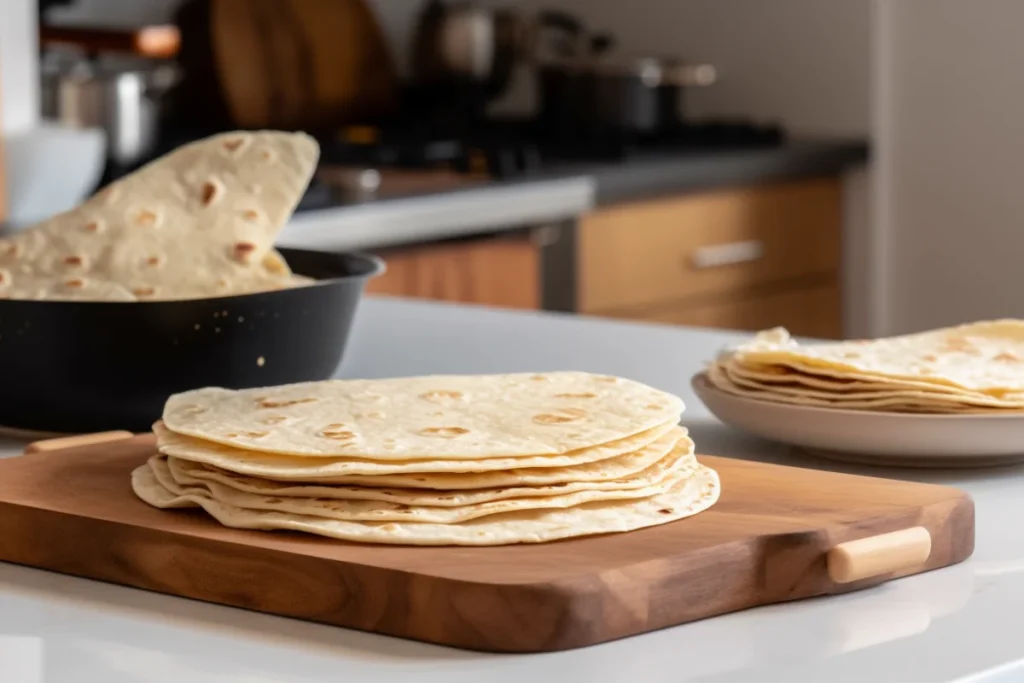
(503,272)
(716,242)
(807,311)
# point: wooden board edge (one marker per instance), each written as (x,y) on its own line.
(800,575)
(328,583)
(537,617)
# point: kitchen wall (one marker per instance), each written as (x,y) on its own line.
(804,63)
(950,127)
(19,86)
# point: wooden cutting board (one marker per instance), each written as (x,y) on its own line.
(777,534)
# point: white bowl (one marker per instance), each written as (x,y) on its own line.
(873,437)
(50,169)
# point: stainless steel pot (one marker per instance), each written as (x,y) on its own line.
(124,100)
(462,43)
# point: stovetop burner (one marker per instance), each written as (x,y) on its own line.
(509,148)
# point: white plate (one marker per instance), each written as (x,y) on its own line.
(877,438)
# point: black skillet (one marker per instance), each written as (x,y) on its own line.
(84,366)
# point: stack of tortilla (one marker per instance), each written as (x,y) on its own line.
(433,460)
(198,222)
(972,368)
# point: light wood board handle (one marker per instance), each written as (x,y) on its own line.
(76,441)
(877,555)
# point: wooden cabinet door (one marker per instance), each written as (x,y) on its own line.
(813,311)
(502,272)
(740,239)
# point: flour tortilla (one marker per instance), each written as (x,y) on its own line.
(983,357)
(606,462)
(196,223)
(349,509)
(689,496)
(680,457)
(717,378)
(431,417)
(797,388)
(840,382)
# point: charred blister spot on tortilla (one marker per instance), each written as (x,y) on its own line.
(443,432)
(144,292)
(5,278)
(607,379)
(442,395)
(193,409)
(960,345)
(74,283)
(145,218)
(666,511)
(930,358)
(235,145)
(338,432)
(267,402)
(540,378)
(94,226)
(154,261)
(655,406)
(8,249)
(250,215)
(243,251)
(211,192)
(267,155)
(851,354)
(1006,357)
(561,416)
(580,394)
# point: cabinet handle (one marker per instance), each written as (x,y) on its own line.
(728,254)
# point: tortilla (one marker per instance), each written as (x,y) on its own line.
(508,484)
(688,496)
(432,417)
(681,465)
(198,222)
(598,463)
(984,357)
(720,380)
(864,398)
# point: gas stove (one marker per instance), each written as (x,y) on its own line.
(359,163)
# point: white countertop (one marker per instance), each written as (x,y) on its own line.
(963,623)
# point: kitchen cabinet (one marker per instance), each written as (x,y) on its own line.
(503,272)
(742,258)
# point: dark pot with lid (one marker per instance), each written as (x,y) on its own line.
(611,94)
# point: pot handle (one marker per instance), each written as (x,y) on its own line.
(689,75)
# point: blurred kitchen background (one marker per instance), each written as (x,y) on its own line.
(842,168)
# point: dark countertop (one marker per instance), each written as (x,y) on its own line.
(675,173)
